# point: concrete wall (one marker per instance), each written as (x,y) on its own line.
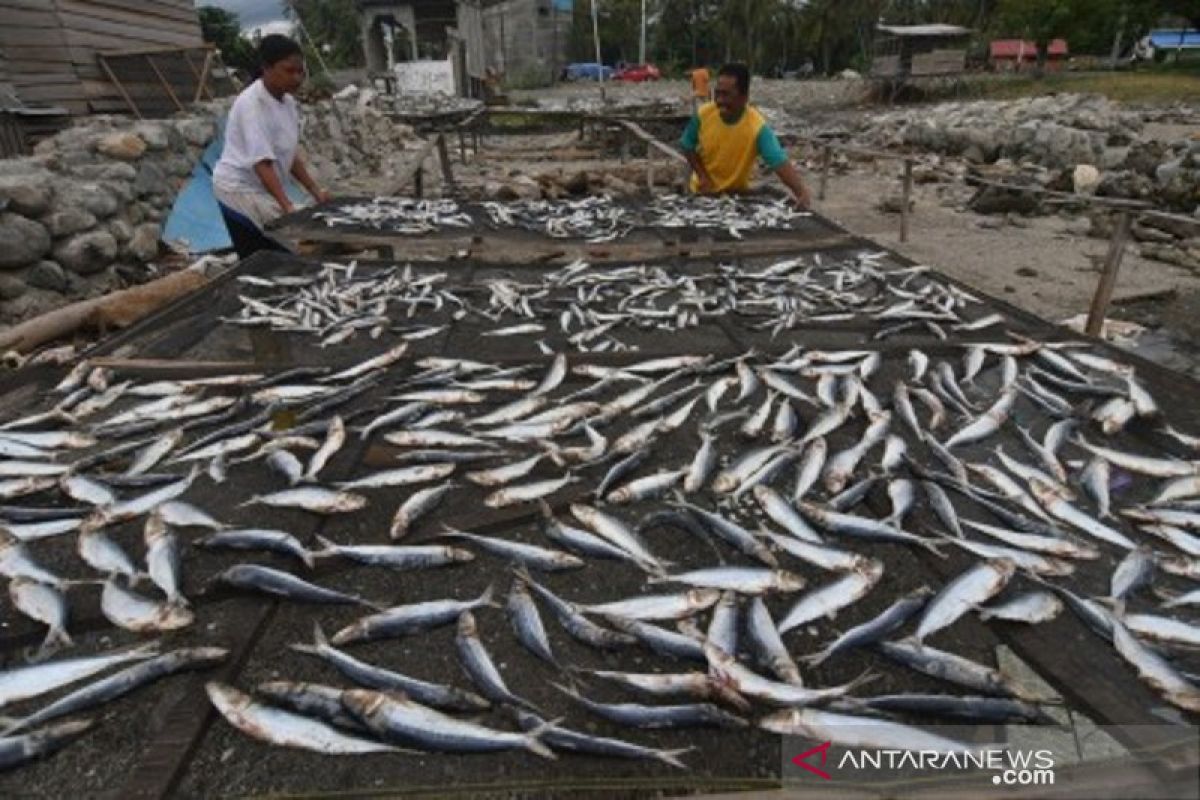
(519,38)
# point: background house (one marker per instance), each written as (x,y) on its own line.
(1014,55)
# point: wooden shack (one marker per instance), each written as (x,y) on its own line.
(50,52)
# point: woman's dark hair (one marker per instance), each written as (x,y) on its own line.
(740,73)
(275,48)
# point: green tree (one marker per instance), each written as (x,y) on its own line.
(222,29)
(1040,21)
(333,26)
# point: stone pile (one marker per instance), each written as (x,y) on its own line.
(350,136)
(89,200)
(1055,131)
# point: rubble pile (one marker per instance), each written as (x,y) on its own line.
(84,213)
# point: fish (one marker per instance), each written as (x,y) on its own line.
(23,748)
(727,671)
(395,718)
(876,629)
(373,677)
(743,580)
(266,580)
(258,539)
(285,728)
(827,600)
(417,505)
(45,604)
(527,623)
(768,644)
(529,555)
(120,684)
(126,609)
(635,715)
(1155,671)
(407,619)
(404,476)
(559,738)
(34,680)
(163,562)
(657,607)
(313,499)
(971,588)
(954,669)
(525,493)
(480,666)
(1031,608)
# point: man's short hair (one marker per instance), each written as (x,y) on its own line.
(275,48)
(740,73)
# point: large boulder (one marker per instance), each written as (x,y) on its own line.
(196,131)
(154,133)
(22,241)
(48,275)
(88,195)
(87,253)
(144,244)
(67,221)
(28,194)
(123,146)
(111,171)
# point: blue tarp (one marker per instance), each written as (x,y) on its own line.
(1169,40)
(195,222)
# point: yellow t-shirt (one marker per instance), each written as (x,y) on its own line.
(728,151)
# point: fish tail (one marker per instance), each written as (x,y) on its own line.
(488,598)
(865,678)
(671,757)
(815,659)
(533,739)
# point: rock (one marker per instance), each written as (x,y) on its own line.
(1146,234)
(154,134)
(577,183)
(178,166)
(11,287)
(151,179)
(1168,254)
(121,230)
(991,223)
(22,241)
(196,131)
(893,203)
(526,188)
(1168,171)
(849,75)
(144,244)
(27,194)
(118,171)
(991,200)
(67,221)
(48,275)
(1086,179)
(1027,272)
(87,253)
(125,146)
(93,197)
(1078,226)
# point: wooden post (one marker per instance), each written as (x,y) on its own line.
(419,182)
(906,199)
(650,174)
(120,86)
(1108,278)
(826,161)
(162,80)
(444,158)
(462,146)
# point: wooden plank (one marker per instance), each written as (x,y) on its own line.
(166,86)
(22,18)
(121,89)
(177,12)
(85,15)
(1108,278)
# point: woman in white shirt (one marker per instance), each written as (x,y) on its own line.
(261,137)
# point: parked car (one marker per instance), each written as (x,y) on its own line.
(587,71)
(636,73)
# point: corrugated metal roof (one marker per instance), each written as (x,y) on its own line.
(1015,48)
(925,30)
(1170,40)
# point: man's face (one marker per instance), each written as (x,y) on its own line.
(286,75)
(727,97)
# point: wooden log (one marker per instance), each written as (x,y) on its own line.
(1108,278)
(826,161)
(115,310)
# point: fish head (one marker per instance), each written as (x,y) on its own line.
(363,703)
(466,625)
(790,581)
(459,555)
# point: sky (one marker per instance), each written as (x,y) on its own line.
(251,13)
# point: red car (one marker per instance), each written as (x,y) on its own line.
(636,73)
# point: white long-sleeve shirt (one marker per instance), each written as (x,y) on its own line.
(260,128)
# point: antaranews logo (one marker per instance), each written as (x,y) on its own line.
(1007,766)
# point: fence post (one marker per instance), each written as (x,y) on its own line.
(906,198)
(826,161)
(1108,278)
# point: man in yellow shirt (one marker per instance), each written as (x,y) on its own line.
(725,137)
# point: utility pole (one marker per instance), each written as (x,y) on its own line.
(642,44)
(596,40)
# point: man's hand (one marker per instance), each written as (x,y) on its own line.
(802,198)
(706,185)
(287,206)
(322,196)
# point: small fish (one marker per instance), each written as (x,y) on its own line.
(258,539)
(45,604)
(407,619)
(312,498)
(257,578)
(285,728)
(972,588)
(1032,608)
